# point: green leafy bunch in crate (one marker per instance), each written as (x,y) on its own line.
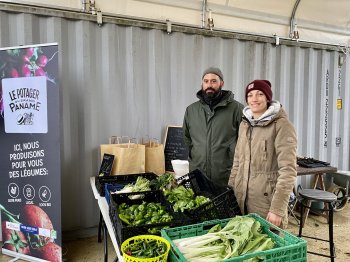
(242,238)
(143,214)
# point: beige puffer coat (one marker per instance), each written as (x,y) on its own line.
(264,166)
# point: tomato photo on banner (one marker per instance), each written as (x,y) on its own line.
(30,177)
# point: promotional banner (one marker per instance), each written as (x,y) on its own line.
(30,175)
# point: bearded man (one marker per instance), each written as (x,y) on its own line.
(211,128)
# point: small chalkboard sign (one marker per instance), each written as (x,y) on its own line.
(106,165)
(174,146)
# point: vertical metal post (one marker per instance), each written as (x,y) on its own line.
(204,12)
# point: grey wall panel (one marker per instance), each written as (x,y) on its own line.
(127,80)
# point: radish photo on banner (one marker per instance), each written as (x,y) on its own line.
(30,168)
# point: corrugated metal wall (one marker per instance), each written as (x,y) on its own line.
(128,80)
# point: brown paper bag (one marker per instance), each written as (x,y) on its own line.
(129,158)
(155,159)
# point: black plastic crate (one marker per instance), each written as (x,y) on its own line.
(116,187)
(100,181)
(222,206)
(223,202)
(123,231)
(200,183)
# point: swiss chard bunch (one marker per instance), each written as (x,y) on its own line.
(240,236)
(141,184)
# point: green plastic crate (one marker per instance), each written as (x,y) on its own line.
(288,247)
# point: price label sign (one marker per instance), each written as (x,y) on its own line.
(106,165)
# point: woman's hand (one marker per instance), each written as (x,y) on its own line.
(274,219)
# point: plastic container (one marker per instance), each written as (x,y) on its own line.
(100,181)
(223,202)
(200,183)
(288,247)
(122,230)
(133,240)
(109,188)
(180,167)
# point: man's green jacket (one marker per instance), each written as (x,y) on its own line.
(211,136)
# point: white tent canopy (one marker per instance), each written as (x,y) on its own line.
(321,21)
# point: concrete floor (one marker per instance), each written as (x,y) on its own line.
(87,250)
(80,250)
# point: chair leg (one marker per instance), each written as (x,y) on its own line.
(327,207)
(330,227)
(301,218)
(291,211)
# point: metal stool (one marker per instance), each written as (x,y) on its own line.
(307,197)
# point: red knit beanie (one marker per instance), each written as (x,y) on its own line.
(262,85)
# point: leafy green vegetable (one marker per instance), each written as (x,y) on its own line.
(146,249)
(143,214)
(141,184)
(184,198)
(241,235)
(164,181)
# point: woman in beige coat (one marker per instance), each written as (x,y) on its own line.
(264,166)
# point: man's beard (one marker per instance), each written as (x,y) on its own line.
(211,95)
(212,98)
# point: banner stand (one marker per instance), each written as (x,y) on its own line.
(30,164)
